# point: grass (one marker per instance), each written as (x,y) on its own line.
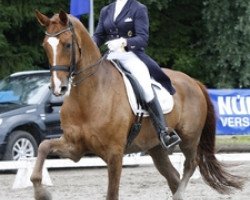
(233,139)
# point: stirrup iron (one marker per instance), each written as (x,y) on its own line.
(170,132)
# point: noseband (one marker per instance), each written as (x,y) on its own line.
(72,67)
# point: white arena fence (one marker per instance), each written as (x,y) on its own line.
(25,166)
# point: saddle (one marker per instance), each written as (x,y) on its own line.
(135,94)
(137,100)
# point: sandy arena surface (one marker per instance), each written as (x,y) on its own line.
(142,182)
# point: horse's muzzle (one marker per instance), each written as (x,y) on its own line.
(62,90)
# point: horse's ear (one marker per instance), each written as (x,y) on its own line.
(42,19)
(63,17)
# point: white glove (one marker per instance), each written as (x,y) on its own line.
(117,44)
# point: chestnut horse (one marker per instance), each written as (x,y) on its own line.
(96,116)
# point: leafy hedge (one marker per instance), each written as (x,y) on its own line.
(207,39)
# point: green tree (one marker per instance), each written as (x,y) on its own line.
(227,43)
(176,32)
(20,34)
(207,39)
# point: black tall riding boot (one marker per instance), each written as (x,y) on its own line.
(167,136)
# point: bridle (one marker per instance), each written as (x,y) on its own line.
(71,69)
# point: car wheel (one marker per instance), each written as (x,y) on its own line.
(20,145)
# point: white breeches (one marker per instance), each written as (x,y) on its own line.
(137,68)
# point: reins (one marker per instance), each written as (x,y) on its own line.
(85,72)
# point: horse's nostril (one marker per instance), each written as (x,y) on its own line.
(64,89)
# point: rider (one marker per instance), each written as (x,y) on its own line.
(125,23)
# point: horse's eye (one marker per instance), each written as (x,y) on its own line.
(68,45)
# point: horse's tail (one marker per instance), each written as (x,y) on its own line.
(212,171)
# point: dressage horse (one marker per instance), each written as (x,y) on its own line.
(96,115)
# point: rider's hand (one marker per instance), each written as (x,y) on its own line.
(116,44)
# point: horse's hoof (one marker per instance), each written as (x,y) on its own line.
(42,194)
(177,197)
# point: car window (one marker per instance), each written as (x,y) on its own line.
(27,89)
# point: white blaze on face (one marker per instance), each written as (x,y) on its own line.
(53,42)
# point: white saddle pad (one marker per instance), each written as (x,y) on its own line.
(164,97)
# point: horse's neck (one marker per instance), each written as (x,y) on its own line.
(90,55)
(99,95)
(95,86)
(88,66)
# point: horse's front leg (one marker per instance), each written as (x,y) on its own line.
(59,147)
(36,177)
(114,164)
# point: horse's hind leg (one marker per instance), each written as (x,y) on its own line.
(165,167)
(190,165)
(55,145)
